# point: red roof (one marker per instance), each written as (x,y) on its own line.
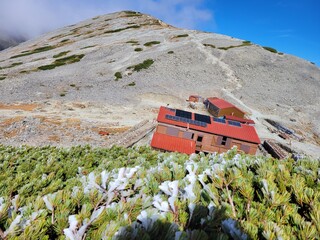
(238,119)
(243,132)
(171,143)
(222,104)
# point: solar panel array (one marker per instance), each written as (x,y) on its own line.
(184,114)
(234,123)
(220,120)
(202,118)
(186,120)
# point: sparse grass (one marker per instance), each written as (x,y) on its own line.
(122,29)
(34,51)
(61,54)
(244,43)
(270,49)
(181,36)
(149,44)
(131,84)
(138,49)
(133,42)
(170,52)
(118,76)
(209,45)
(65,40)
(132,14)
(13,65)
(144,65)
(91,46)
(62,61)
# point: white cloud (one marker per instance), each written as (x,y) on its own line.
(30,18)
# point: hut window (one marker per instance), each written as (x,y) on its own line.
(188,135)
(199,139)
(224,141)
(172,131)
(245,148)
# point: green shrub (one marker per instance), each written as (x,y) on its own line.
(122,29)
(61,54)
(62,61)
(182,35)
(148,44)
(62,94)
(118,76)
(132,84)
(64,40)
(209,45)
(244,43)
(133,42)
(91,46)
(2,78)
(170,52)
(13,65)
(270,49)
(144,65)
(138,49)
(72,85)
(34,51)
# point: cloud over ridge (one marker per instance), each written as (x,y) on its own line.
(30,18)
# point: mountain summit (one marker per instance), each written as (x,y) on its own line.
(113,71)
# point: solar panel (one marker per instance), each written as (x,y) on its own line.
(184,114)
(234,123)
(219,120)
(202,118)
(186,120)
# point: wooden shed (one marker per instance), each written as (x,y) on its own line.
(188,132)
(219,107)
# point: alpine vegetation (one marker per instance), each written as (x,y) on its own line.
(140,193)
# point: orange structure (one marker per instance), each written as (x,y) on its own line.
(189,132)
(219,107)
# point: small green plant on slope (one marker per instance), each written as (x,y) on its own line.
(209,45)
(118,76)
(34,51)
(122,29)
(149,44)
(270,49)
(144,65)
(170,52)
(244,43)
(181,36)
(138,49)
(2,78)
(61,54)
(131,84)
(62,61)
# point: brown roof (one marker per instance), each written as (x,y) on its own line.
(221,103)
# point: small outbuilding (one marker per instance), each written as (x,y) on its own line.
(219,108)
(189,132)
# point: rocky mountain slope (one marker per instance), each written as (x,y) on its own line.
(114,71)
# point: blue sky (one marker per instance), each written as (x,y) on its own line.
(290,26)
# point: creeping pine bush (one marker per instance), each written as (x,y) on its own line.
(140,193)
